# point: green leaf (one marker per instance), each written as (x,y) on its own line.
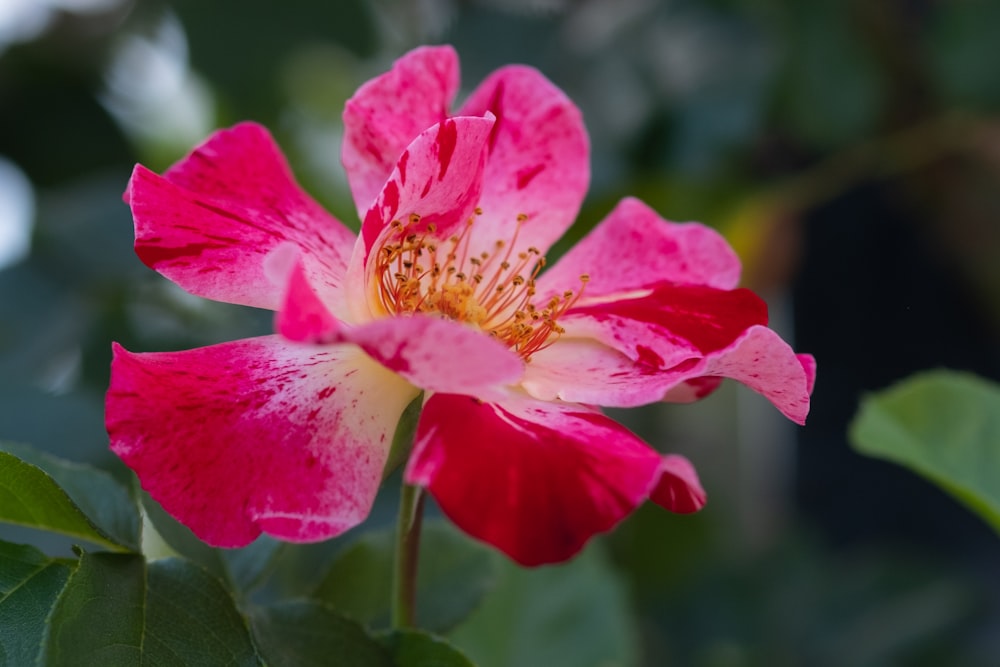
(943,425)
(107,503)
(118,610)
(192,619)
(412,648)
(30,497)
(99,619)
(30,583)
(303,633)
(572,614)
(454,574)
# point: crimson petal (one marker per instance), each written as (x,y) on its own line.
(212,220)
(670,323)
(534,479)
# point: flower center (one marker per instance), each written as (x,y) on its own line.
(493,291)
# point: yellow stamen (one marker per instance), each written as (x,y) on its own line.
(493,291)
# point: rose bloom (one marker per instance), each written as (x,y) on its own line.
(445,291)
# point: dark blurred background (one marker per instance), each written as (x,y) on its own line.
(849,149)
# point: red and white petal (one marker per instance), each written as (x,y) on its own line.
(256,435)
(388,112)
(809,366)
(634,248)
(437,355)
(681,339)
(768,365)
(436,181)
(210,222)
(693,389)
(678,489)
(536,480)
(585,371)
(303,317)
(539,162)
(668,324)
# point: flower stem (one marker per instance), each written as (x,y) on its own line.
(411,511)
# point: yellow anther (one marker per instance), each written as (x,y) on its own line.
(468,284)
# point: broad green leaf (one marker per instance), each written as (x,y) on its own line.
(100,617)
(117,609)
(571,614)
(30,583)
(454,574)
(411,648)
(305,633)
(104,501)
(943,425)
(30,497)
(192,619)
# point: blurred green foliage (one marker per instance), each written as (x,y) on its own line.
(740,113)
(945,426)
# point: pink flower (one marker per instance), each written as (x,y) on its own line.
(441,292)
